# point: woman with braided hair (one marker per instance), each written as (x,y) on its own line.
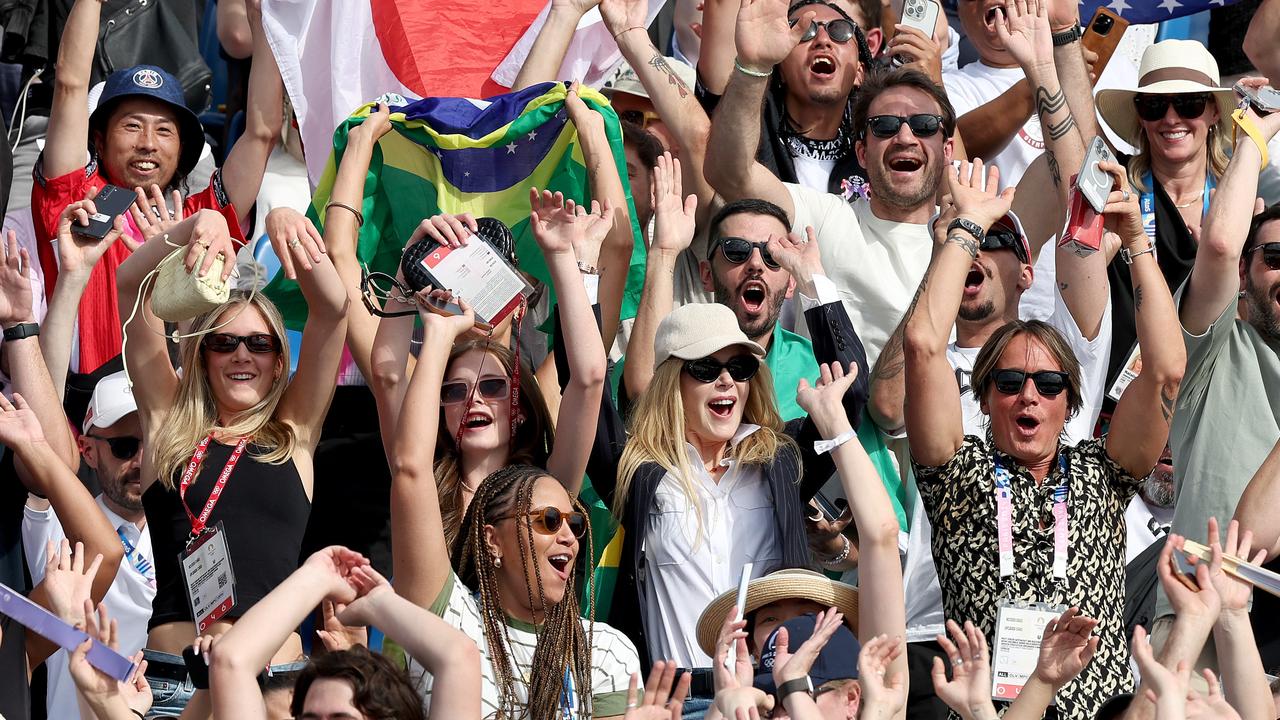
(515,552)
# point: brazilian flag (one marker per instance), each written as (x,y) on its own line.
(456,155)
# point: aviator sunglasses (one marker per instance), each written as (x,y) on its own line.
(738,250)
(258,343)
(1153,107)
(1049,383)
(922,125)
(839,30)
(123,448)
(1270,254)
(452,393)
(547,521)
(706,370)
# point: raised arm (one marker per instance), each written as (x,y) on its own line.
(763,39)
(1073,70)
(418,550)
(933,417)
(556,226)
(888,384)
(549,48)
(242,652)
(245,164)
(1238,659)
(716,52)
(1260,40)
(1256,510)
(1215,277)
(673,232)
(66,146)
(881,607)
(1140,424)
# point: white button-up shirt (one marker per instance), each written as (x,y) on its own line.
(687,569)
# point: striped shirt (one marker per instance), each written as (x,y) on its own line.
(613,656)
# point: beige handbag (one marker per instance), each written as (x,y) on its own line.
(180,295)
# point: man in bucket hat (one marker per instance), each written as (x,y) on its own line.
(141,134)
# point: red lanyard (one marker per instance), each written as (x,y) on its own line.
(198,523)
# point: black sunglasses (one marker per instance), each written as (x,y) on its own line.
(1153,107)
(738,250)
(1049,383)
(452,393)
(1000,237)
(258,343)
(922,125)
(839,30)
(1270,254)
(706,370)
(123,448)
(547,521)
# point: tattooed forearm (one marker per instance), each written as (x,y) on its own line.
(1137,297)
(1049,103)
(661,65)
(1057,131)
(1166,404)
(1054,172)
(965,241)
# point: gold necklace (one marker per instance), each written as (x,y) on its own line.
(1190,202)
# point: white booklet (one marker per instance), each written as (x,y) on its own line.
(478,274)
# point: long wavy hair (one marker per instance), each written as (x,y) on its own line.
(1217,146)
(531,444)
(657,433)
(194,414)
(563,642)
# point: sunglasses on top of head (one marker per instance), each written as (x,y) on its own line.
(707,370)
(839,30)
(452,393)
(738,250)
(547,521)
(1270,254)
(922,125)
(1049,383)
(1153,107)
(122,448)
(257,343)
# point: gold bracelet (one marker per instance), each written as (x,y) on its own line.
(359,215)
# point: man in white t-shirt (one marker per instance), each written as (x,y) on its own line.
(1150,513)
(111,444)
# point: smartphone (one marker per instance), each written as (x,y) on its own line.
(921,15)
(1264,100)
(1103,35)
(828,508)
(1095,183)
(196,668)
(110,202)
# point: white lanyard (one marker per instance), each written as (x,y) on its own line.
(1004,518)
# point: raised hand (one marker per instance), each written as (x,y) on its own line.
(152,215)
(1212,706)
(1123,216)
(825,401)
(336,565)
(1196,600)
(67,582)
(1233,592)
(1268,124)
(19,426)
(1066,648)
(337,635)
(16,275)
(586,120)
(295,239)
(1164,687)
(744,703)
(763,35)
(921,51)
(976,193)
(558,223)
(661,701)
(376,125)
(449,230)
(371,588)
(742,674)
(577,6)
(673,212)
(1025,32)
(210,240)
(77,254)
(885,693)
(792,666)
(435,319)
(97,687)
(968,692)
(1062,13)
(799,256)
(621,15)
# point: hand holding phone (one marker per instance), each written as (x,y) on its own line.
(1265,100)
(1102,35)
(921,15)
(110,202)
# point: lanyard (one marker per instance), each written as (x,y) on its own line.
(567,695)
(1148,203)
(198,523)
(1004,518)
(140,563)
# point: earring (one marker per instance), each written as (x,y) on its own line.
(497,561)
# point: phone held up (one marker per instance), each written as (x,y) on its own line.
(921,15)
(110,202)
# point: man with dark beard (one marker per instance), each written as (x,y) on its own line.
(111,445)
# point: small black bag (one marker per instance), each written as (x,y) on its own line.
(155,32)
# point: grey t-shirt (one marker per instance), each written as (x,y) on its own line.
(1226,421)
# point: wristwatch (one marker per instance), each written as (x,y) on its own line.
(22,330)
(804,685)
(968,226)
(1068,36)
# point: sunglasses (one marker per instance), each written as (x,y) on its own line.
(548,520)
(643,118)
(706,370)
(1049,383)
(258,343)
(1000,237)
(922,125)
(738,250)
(453,393)
(1270,254)
(122,448)
(1153,107)
(839,30)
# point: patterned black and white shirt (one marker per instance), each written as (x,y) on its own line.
(959,498)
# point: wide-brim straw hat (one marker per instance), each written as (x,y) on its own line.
(793,584)
(1170,67)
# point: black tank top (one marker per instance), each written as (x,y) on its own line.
(263,510)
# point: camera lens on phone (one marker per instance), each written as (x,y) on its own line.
(1103,24)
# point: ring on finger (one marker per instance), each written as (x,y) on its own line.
(957,660)
(294,243)
(1124,194)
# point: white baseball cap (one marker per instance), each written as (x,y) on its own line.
(112,399)
(697,330)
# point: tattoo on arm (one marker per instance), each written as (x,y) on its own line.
(966,241)
(661,65)
(1048,103)
(1137,297)
(1166,405)
(1054,172)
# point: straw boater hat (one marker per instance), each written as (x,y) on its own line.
(793,584)
(1171,67)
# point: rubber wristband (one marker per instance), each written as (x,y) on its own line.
(748,71)
(1243,122)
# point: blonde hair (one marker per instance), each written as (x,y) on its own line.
(1216,145)
(657,433)
(194,414)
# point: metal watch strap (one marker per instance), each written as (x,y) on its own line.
(968,226)
(804,685)
(1128,257)
(22,330)
(1068,36)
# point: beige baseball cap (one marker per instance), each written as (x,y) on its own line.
(626,81)
(697,330)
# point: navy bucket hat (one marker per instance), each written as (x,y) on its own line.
(153,82)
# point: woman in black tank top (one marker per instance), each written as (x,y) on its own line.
(230,440)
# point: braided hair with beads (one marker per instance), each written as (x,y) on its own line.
(563,642)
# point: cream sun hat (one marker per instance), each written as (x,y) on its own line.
(1170,67)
